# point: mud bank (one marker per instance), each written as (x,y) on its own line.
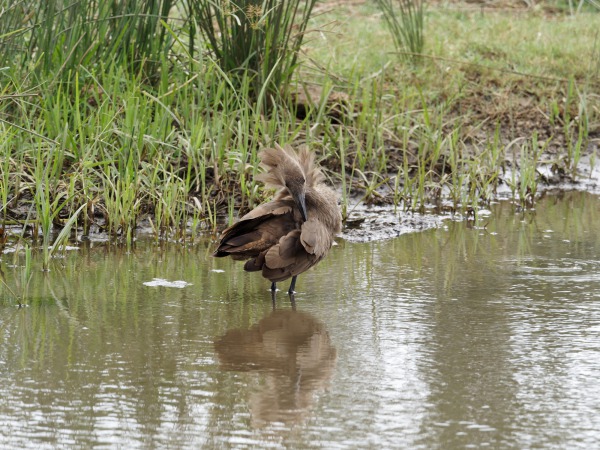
(369,222)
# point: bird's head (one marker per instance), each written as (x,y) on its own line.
(296,186)
(286,169)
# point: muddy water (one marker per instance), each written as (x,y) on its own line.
(470,335)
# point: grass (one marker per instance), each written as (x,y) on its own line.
(255,39)
(164,135)
(404,18)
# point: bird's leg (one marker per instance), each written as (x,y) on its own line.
(293,285)
(273,287)
(273,299)
(293,301)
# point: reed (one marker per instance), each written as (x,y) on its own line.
(58,36)
(528,172)
(405,20)
(260,38)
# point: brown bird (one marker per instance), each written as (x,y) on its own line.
(294,231)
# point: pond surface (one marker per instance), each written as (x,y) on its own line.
(467,336)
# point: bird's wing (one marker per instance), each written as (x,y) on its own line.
(258,215)
(256,231)
(316,237)
(297,251)
(287,258)
(276,208)
(285,252)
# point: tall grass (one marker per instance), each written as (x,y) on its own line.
(112,149)
(255,38)
(56,36)
(405,20)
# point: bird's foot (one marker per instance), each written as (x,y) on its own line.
(292,289)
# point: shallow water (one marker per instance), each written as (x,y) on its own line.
(471,335)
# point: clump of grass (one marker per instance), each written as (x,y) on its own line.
(56,36)
(528,170)
(260,38)
(6,183)
(169,200)
(405,20)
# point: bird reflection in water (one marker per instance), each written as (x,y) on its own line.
(292,352)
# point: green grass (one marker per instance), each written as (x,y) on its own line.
(254,38)
(405,20)
(487,79)
(105,141)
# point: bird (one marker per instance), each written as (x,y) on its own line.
(288,235)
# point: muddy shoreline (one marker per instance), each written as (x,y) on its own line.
(379,222)
(374,221)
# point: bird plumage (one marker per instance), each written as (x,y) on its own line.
(293,232)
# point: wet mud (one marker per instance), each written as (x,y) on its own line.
(378,222)
(373,223)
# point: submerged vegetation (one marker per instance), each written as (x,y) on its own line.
(116,115)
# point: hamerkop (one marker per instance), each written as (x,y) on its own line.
(294,231)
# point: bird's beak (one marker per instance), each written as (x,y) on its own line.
(300,200)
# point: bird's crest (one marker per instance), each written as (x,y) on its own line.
(283,164)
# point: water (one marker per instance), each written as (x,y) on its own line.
(468,336)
